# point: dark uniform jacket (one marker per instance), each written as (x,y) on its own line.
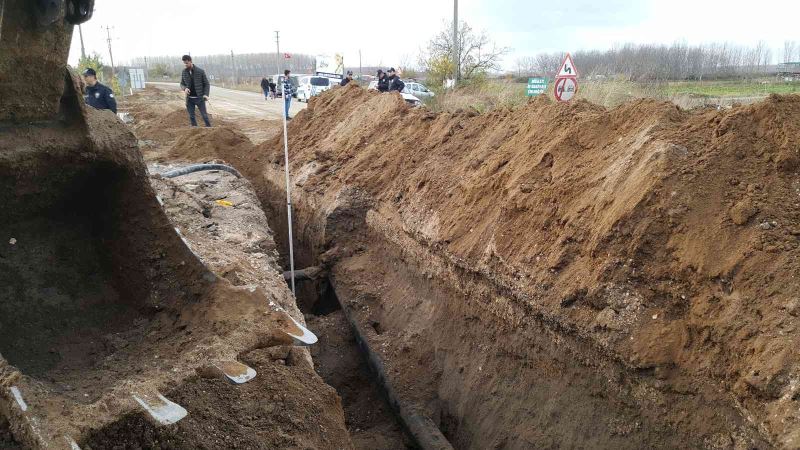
(383,84)
(195,79)
(100,97)
(396,84)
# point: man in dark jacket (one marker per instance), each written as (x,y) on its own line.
(97,95)
(347,79)
(273,88)
(196,87)
(395,83)
(383,82)
(265,87)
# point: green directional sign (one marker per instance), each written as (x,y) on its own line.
(536,86)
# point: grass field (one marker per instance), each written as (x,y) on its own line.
(609,93)
(732,88)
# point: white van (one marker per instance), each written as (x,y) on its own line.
(311,85)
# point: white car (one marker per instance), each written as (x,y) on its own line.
(417,89)
(409,98)
(309,86)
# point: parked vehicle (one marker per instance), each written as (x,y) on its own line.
(411,99)
(417,89)
(310,85)
(278,79)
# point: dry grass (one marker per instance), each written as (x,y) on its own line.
(480,96)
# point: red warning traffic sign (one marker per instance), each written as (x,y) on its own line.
(566,88)
(567,68)
(566,84)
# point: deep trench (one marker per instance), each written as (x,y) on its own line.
(340,362)
(480,379)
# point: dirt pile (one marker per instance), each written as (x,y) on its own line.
(208,143)
(667,238)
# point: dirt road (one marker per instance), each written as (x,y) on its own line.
(240,104)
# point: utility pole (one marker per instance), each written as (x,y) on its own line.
(360,67)
(233,69)
(456,59)
(278,55)
(110,54)
(83,49)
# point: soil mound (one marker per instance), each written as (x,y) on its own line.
(202,144)
(667,237)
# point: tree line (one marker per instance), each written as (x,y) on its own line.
(679,61)
(234,68)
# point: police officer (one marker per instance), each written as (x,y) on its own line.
(394,82)
(383,82)
(97,95)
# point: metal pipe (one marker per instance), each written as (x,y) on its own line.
(199,168)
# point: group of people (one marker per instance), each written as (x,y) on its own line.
(196,87)
(389,81)
(269,88)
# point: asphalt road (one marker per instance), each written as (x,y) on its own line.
(233,104)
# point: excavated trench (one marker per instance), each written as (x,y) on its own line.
(371,422)
(460,354)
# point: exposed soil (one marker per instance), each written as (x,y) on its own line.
(7,441)
(665,239)
(190,202)
(103,300)
(283,407)
(561,274)
(370,421)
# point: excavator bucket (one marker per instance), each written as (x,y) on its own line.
(103,304)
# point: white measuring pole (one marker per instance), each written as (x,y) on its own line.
(288,185)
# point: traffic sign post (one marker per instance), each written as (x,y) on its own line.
(566,84)
(566,87)
(536,86)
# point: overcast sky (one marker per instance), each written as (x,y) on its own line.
(392,33)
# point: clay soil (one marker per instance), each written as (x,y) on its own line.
(370,421)
(100,299)
(668,239)
(651,254)
(235,242)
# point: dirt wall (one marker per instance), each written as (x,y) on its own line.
(666,239)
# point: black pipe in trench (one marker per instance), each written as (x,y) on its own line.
(427,435)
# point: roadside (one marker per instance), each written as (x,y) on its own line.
(236,104)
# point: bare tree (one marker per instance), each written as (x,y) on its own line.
(789,48)
(477,52)
(677,61)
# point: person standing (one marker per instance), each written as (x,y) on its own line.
(288,90)
(98,96)
(383,82)
(273,89)
(265,88)
(197,88)
(395,83)
(347,79)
